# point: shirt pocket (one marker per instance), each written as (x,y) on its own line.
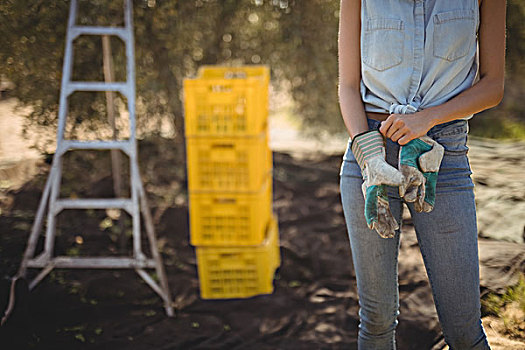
(454,34)
(383,42)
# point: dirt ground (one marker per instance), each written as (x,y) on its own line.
(314,304)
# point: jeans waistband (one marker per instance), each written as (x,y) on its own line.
(449,128)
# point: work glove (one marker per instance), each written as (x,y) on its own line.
(419,161)
(369,151)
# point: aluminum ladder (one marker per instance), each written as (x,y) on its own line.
(135,205)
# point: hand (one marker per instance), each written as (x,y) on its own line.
(403,128)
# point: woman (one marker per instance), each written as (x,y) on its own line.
(411,73)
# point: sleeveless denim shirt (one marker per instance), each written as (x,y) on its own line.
(417,54)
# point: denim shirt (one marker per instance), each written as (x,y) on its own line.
(417,54)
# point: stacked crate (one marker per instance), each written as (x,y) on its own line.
(230,181)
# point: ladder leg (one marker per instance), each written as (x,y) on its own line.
(35,230)
(43,273)
(149,280)
(159,266)
(51,215)
(135,214)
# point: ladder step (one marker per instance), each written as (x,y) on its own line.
(96,86)
(75,31)
(117,203)
(66,145)
(92,263)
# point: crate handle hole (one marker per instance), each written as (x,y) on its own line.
(235,75)
(224,200)
(223,145)
(221,88)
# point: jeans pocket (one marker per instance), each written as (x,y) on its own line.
(455,144)
(455,171)
(452,136)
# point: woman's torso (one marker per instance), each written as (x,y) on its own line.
(416,54)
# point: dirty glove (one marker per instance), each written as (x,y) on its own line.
(419,161)
(369,151)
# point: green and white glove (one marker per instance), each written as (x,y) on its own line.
(369,151)
(419,161)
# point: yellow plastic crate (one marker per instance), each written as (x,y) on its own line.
(230,218)
(239,272)
(228,163)
(227,101)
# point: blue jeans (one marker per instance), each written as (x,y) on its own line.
(447,237)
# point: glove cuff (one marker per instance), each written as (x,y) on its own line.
(367,145)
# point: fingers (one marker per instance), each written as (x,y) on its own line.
(406,138)
(385,126)
(395,127)
(398,134)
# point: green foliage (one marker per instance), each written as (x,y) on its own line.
(493,303)
(497,125)
(31,42)
(297,39)
(509,307)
